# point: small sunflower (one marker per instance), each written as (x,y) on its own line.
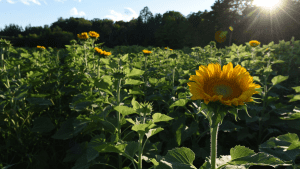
(147,51)
(94,34)
(254,43)
(83,36)
(220,36)
(41,47)
(230,86)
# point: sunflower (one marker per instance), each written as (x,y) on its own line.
(230,86)
(147,51)
(94,34)
(220,36)
(83,36)
(254,43)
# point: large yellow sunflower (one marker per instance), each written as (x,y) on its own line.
(229,86)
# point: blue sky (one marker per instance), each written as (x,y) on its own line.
(45,12)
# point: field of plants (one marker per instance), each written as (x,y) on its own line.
(88,107)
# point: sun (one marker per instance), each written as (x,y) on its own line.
(267,3)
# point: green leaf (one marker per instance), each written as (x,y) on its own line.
(283,146)
(152,132)
(133,82)
(105,84)
(110,124)
(183,81)
(42,124)
(136,91)
(178,134)
(295,98)
(110,147)
(262,159)
(297,89)
(157,117)
(178,158)
(142,127)
(95,141)
(135,73)
(20,94)
(279,79)
(240,151)
(135,104)
(131,148)
(130,121)
(105,61)
(124,110)
(180,102)
(66,130)
(153,81)
(39,101)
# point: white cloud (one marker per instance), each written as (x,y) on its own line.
(26,2)
(74,11)
(118,16)
(60,1)
(10,1)
(78,0)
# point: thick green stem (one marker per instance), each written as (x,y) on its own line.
(213,152)
(98,68)
(2,57)
(119,119)
(173,73)
(140,151)
(264,107)
(85,57)
(145,62)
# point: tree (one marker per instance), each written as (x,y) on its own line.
(145,14)
(12,30)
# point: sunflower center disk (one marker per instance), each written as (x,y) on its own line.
(224,90)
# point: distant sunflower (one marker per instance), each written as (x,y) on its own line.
(220,36)
(229,86)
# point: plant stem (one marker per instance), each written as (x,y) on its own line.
(213,152)
(140,151)
(119,118)
(264,108)
(85,57)
(98,73)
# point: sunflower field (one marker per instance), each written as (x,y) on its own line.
(88,107)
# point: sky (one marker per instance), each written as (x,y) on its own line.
(45,12)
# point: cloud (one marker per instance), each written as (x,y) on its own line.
(78,0)
(130,14)
(74,11)
(10,1)
(27,2)
(60,1)
(34,1)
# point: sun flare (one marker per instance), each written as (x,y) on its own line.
(266,3)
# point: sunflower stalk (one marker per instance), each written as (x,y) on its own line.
(98,72)
(213,152)
(219,96)
(19,71)
(263,110)
(2,57)
(85,57)
(119,118)
(140,151)
(173,73)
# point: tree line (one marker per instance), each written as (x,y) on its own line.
(171,29)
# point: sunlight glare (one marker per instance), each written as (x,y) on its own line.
(266,3)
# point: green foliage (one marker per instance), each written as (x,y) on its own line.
(62,114)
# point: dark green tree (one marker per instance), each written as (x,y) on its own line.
(12,30)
